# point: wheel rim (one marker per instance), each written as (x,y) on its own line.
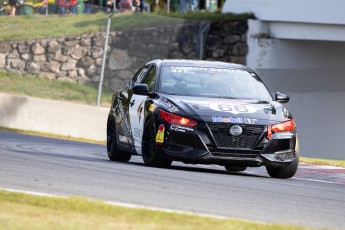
(148,144)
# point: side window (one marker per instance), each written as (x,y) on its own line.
(142,74)
(150,78)
(131,83)
(139,75)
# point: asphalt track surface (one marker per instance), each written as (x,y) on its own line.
(315,197)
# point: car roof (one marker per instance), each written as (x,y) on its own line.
(201,63)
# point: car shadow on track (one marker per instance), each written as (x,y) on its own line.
(195,168)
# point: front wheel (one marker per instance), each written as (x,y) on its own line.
(114,153)
(284,172)
(149,151)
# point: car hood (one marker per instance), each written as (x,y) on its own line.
(228,110)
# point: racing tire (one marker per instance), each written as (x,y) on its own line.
(232,168)
(150,153)
(114,153)
(284,172)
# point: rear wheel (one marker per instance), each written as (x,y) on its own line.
(231,168)
(284,172)
(114,153)
(149,152)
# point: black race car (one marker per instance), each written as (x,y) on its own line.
(202,112)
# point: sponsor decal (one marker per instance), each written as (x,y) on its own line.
(160,134)
(285,112)
(170,106)
(140,109)
(152,107)
(239,120)
(228,119)
(187,69)
(180,128)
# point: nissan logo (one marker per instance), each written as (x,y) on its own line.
(236,130)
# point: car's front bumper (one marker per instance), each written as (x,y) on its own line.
(198,147)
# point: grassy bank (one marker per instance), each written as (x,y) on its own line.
(328,162)
(21,211)
(57,90)
(41,26)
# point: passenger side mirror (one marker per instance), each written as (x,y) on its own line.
(281,97)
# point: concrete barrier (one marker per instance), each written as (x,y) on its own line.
(55,117)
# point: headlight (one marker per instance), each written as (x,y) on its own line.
(176,119)
(281,127)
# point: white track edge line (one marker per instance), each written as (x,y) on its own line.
(315,180)
(32,193)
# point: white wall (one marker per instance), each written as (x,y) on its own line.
(55,117)
(309,11)
(313,74)
(299,47)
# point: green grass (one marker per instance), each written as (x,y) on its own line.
(41,26)
(21,211)
(328,162)
(51,89)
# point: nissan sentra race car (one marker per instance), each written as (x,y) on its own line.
(202,112)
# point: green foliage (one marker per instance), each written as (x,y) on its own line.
(328,162)
(51,89)
(35,212)
(42,26)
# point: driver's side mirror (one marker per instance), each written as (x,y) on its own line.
(143,89)
(281,97)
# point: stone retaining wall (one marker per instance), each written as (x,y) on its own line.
(79,58)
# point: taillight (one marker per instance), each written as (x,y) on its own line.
(281,127)
(176,119)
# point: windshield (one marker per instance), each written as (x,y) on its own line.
(213,82)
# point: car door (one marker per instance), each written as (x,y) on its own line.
(124,101)
(137,106)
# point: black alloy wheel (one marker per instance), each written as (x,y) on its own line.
(284,172)
(149,152)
